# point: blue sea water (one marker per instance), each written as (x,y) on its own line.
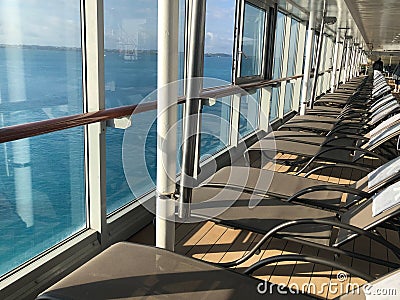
(42,193)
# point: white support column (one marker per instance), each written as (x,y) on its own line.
(346,63)
(352,59)
(167,117)
(265,105)
(327,64)
(94,100)
(335,62)
(299,66)
(307,62)
(285,59)
(358,63)
(21,155)
(341,58)
(323,57)
(355,64)
(235,117)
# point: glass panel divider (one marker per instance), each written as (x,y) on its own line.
(235,115)
(94,100)
(285,60)
(299,66)
(265,105)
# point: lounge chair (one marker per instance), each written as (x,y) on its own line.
(312,227)
(133,271)
(351,118)
(338,150)
(267,183)
(318,139)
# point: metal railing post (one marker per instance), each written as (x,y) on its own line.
(167,117)
(193,104)
(335,62)
(316,71)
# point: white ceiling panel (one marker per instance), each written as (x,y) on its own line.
(375,22)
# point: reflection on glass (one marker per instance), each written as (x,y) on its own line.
(118,192)
(321,78)
(40,61)
(293,42)
(249,108)
(215,126)
(277,66)
(273,112)
(252,41)
(288,97)
(291,67)
(139,151)
(42,196)
(220,23)
(130,55)
(279,43)
(130,76)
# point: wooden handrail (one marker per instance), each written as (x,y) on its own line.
(21,131)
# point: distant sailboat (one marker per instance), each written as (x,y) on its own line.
(127,46)
(130,55)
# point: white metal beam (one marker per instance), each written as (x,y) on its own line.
(284,66)
(299,66)
(335,62)
(307,62)
(167,116)
(94,100)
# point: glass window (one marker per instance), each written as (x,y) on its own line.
(293,42)
(130,33)
(277,66)
(42,196)
(139,152)
(220,23)
(279,44)
(215,126)
(273,111)
(252,41)
(249,110)
(130,58)
(40,60)
(288,97)
(322,66)
(130,55)
(291,68)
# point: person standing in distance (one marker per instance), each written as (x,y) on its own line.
(396,77)
(378,65)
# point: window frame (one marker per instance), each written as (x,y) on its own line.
(266,6)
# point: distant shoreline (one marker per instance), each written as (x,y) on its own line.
(40,47)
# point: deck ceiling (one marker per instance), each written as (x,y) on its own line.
(374,23)
(381,20)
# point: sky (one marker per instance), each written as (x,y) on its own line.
(128,23)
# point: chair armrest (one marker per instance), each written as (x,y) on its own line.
(355,167)
(306,258)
